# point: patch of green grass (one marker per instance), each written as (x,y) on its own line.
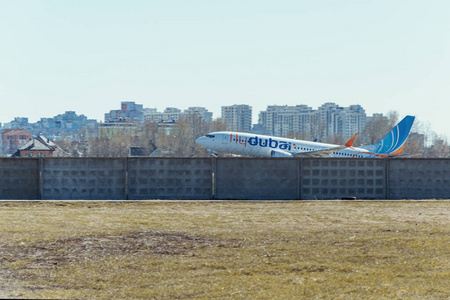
(238,250)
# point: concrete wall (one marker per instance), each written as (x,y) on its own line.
(84,179)
(19,179)
(256,178)
(169,178)
(419,178)
(223,178)
(338,178)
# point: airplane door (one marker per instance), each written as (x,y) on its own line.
(225,139)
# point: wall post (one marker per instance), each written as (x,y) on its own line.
(126,179)
(213,176)
(40,178)
(386,178)
(299,178)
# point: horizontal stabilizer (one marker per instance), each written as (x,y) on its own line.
(350,141)
(328,151)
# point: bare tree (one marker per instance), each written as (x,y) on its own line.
(316,128)
(335,139)
(114,146)
(377,128)
(298,135)
(218,125)
(180,141)
(438,149)
(415,145)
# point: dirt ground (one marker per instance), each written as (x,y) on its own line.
(238,250)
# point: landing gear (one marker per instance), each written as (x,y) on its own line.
(213,153)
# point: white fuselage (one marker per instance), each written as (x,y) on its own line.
(270,146)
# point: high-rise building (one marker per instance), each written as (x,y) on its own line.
(170,115)
(129,112)
(131,106)
(351,120)
(198,111)
(280,120)
(18,123)
(329,119)
(238,117)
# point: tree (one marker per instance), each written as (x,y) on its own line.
(438,149)
(336,139)
(377,128)
(298,135)
(180,141)
(316,128)
(114,146)
(415,146)
(218,125)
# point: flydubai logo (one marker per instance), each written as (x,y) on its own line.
(261,142)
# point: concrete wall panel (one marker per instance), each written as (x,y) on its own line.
(222,178)
(338,178)
(84,179)
(419,178)
(256,178)
(171,178)
(19,179)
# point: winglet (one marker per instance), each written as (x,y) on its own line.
(350,141)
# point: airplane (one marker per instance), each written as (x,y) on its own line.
(270,146)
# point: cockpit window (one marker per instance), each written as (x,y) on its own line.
(210,136)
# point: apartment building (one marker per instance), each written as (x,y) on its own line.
(13,139)
(201,112)
(280,120)
(169,115)
(172,114)
(238,117)
(352,119)
(329,119)
(129,112)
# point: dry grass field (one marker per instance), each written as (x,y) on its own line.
(225,250)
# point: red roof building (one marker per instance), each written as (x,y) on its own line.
(40,147)
(13,139)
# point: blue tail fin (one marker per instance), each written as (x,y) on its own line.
(394,141)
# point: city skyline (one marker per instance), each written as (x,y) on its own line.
(87,56)
(107,113)
(329,120)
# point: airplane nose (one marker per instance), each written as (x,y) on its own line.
(199,140)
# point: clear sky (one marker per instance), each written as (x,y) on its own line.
(89,55)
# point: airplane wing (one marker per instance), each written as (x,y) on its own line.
(329,151)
